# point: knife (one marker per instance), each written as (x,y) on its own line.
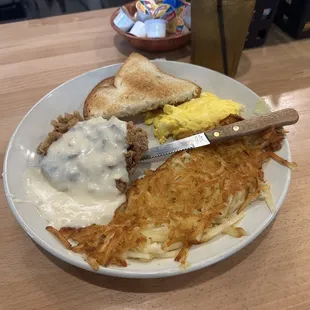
(224,133)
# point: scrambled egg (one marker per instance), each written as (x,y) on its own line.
(193,116)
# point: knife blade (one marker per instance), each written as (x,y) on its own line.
(224,133)
(175,146)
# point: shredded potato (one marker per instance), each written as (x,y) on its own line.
(193,197)
(236,232)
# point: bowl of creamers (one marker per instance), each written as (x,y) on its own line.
(154,25)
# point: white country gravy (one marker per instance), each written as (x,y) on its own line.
(76,183)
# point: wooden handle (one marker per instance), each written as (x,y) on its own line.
(253,125)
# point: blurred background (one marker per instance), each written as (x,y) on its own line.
(15,10)
(292,16)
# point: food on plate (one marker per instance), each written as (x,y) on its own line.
(139,86)
(89,157)
(136,138)
(61,126)
(194,196)
(85,169)
(196,115)
(82,184)
(137,141)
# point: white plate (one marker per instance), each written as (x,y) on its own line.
(70,96)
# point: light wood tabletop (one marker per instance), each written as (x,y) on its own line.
(273,272)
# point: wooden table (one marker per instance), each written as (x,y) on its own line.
(273,272)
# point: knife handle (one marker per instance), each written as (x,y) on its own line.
(253,125)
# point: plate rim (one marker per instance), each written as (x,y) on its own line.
(122,273)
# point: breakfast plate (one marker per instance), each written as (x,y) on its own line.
(21,154)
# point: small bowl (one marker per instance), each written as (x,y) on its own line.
(171,42)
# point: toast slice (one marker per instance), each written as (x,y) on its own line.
(139,86)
